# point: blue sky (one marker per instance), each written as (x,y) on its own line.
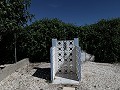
(78,12)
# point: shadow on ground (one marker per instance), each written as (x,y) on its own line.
(43,73)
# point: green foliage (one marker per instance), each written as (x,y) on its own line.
(13,17)
(35,41)
(103,40)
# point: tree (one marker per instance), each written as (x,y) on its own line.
(14,15)
(35,41)
(102,39)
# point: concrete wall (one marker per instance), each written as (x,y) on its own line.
(78,62)
(53,64)
(86,57)
(12,68)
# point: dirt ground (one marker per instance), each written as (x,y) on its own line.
(36,76)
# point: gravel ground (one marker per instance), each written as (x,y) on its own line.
(95,76)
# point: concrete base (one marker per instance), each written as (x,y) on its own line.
(68,88)
(71,76)
(61,80)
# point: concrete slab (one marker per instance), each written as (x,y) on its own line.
(61,80)
(68,88)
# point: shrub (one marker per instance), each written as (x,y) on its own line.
(35,41)
(103,40)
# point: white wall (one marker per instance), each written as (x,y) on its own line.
(86,57)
